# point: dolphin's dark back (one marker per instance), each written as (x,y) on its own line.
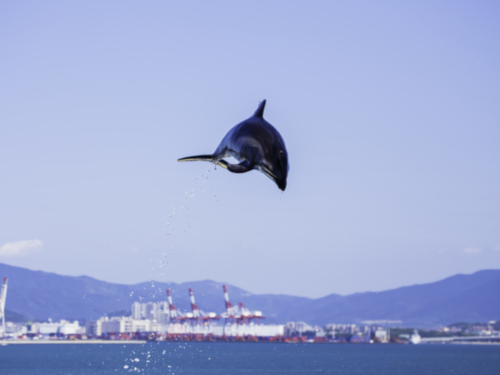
(253,132)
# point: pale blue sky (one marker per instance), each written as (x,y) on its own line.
(390,112)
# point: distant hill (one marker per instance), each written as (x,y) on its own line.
(470,298)
(12,316)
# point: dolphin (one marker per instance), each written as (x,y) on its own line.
(256,144)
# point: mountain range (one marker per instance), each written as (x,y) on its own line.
(38,295)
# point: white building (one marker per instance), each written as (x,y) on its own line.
(136,310)
(381,334)
(122,324)
(13,329)
(93,329)
(158,311)
(151,311)
(63,327)
(259,330)
(297,328)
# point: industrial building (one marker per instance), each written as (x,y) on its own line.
(61,328)
(122,324)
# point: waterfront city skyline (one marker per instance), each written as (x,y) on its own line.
(388,111)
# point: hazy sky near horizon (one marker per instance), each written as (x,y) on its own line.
(389,110)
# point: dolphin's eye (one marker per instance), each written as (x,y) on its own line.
(282,152)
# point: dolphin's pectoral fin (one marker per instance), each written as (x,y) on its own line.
(198,158)
(222,163)
(209,158)
(243,167)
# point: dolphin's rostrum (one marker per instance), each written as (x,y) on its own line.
(256,144)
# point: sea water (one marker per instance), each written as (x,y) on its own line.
(248,358)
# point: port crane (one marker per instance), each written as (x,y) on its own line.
(197,313)
(245,315)
(231,311)
(175,315)
(237,315)
(197,316)
(3,297)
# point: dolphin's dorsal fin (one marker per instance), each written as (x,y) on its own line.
(260,111)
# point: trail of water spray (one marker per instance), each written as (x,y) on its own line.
(177,221)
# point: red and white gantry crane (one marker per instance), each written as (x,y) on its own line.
(237,317)
(199,316)
(175,315)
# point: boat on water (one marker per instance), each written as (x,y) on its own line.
(415,338)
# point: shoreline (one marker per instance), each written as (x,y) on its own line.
(55,342)
(142,342)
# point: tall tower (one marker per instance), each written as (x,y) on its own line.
(136,311)
(3,297)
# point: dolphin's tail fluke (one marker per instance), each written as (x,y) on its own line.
(209,158)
